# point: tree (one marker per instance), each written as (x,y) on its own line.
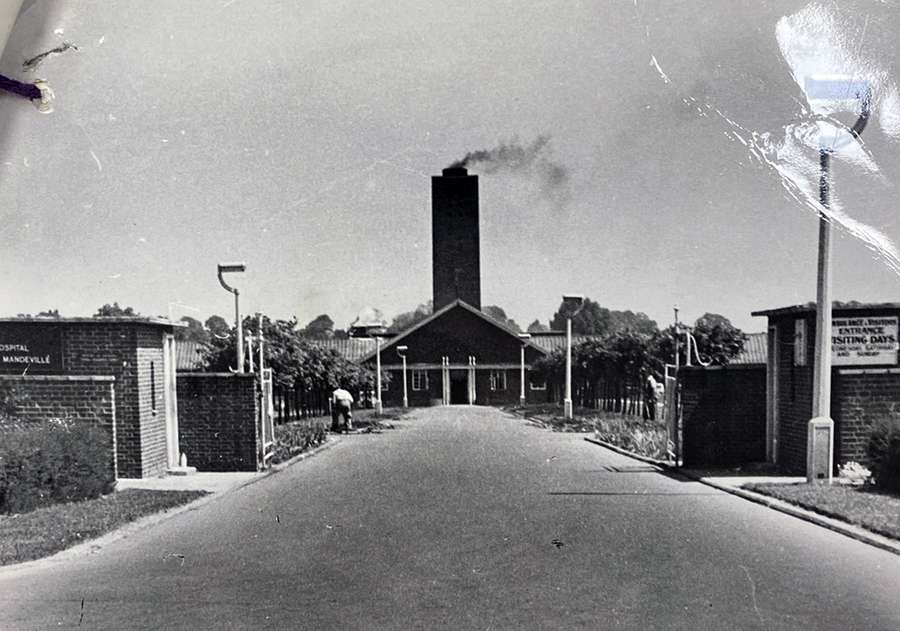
(217,325)
(718,340)
(497,313)
(193,332)
(551,367)
(281,348)
(49,313)
(537,327)
(592,319)
(621,321)
(407,319)
(115,311)
(319,328)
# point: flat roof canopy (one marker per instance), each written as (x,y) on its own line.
(810,307)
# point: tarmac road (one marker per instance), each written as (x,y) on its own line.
(466,518)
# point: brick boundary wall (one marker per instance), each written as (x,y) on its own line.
(723,415)
(217,421)
(89,399)
(866,395)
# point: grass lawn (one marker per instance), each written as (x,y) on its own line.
(47,530)
(874,510)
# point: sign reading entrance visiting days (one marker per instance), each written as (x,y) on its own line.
(869,340)
(30,349)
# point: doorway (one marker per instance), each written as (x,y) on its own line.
(171,403)
(459,387)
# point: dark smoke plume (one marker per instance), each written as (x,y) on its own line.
(532,160)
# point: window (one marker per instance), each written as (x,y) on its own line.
(420,380)
(384,384)
(536,384)
(800,342)
(498,380)
(153,387)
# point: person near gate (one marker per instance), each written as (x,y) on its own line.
(651,391)
(341,405)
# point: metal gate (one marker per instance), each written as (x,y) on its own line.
(266,416)
(672,414)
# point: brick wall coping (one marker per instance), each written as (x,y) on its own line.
(109,378)
(97,320)
(182,373)
(728,367)
(869,371)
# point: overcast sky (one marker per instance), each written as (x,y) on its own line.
(300,138)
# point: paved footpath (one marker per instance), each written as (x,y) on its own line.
(466,518)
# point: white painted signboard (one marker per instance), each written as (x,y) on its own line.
(869,340)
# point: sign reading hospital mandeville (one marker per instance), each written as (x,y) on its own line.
(30,350)
(869,340)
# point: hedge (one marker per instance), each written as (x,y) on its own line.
(298,436)
(53,461)
(884,453)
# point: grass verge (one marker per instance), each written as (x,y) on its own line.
(862,506)
(295,437)
(47,530)
(632,433)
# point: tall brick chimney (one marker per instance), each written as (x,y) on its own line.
(455,262)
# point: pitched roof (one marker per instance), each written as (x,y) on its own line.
(188,355)
(353,348)
(755,351)
(437,314)
(554,340)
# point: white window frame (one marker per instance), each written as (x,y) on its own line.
(800,332)
(542,385)
(498,380)
(418,376)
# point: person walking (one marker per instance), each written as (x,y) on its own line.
(341,405)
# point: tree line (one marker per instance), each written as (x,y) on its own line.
(610,370)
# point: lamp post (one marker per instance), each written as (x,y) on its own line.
(377,333)
(524,337)
(827,95)
(378,407)
(225,268)
(575,302)
(401,351)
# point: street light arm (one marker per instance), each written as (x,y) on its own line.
(225,285)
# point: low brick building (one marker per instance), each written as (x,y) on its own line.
(865,377)
(459,355)
(117,372)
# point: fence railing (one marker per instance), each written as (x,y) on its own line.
(293,404)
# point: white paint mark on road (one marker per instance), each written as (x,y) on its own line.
(753,594)
(97,160)
(662,74)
